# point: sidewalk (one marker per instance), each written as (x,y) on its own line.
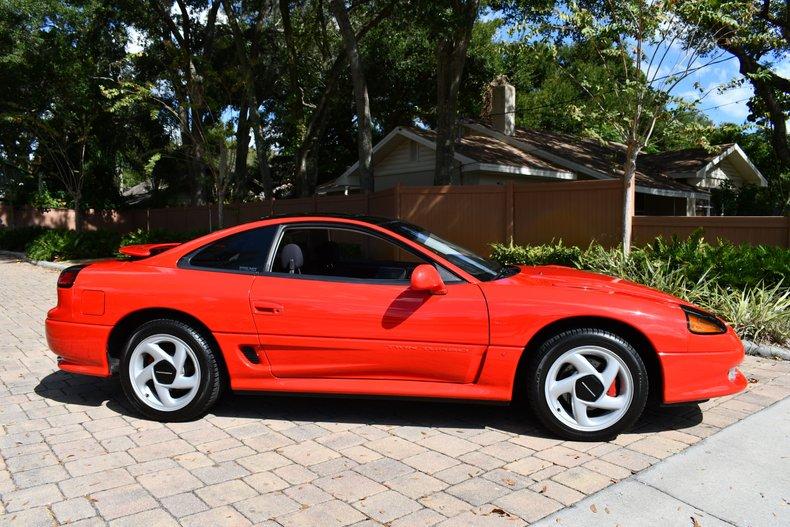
(740,476)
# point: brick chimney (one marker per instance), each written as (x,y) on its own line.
(503,107)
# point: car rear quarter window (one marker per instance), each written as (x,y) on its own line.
(243,252)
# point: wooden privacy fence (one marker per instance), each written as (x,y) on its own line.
(753,230)
(473,216)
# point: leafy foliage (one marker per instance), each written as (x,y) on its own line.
(745,285)
(71,245)
(142,236)
(17,239)
(97,97)
(39,243)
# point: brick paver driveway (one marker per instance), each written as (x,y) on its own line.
(71,452)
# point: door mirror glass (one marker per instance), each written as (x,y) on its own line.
(425,277)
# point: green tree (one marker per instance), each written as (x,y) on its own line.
(757,34)
(53,68)
(634,41)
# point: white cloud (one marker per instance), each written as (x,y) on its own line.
(720,104)
(729,104)
(136,40)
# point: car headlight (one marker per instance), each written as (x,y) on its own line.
(702,323)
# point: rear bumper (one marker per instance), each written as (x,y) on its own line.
(697,375)
(81,348)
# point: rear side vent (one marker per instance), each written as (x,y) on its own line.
(251,354)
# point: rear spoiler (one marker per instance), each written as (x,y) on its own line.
(146,249)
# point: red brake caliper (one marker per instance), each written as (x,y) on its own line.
(612,391)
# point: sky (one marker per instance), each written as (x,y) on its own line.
(728,106)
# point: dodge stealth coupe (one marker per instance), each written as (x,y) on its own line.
(336,304)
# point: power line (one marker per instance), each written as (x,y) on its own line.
(539,107)
(583,96)
(725,104)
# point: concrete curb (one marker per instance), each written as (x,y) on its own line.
(766,350)
(55,266)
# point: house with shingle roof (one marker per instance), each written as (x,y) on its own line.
(496,152)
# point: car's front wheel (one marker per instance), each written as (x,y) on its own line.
(169,371)
(587,384)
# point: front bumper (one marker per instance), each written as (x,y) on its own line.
(695,374)
(81,348)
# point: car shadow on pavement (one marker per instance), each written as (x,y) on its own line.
(73,389)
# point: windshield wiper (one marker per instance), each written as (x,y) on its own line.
(505,271)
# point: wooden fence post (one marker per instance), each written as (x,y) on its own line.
(510,212)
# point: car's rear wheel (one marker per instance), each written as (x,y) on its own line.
(587,384)
(169,371)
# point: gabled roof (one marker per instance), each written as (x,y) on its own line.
(561,156)
(695,163)
(486,149)
(686,161)
(589,157)
(474,152)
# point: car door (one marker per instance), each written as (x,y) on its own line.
(337,304)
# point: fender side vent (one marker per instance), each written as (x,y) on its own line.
(251,354)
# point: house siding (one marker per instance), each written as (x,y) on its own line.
(724,172)
(408,157)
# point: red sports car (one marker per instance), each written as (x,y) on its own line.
(371,306)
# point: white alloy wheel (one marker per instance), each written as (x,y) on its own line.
(589,388)
(164,372)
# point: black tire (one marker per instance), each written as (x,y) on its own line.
(209,387)
(551,350)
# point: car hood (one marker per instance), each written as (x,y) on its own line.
(567,277)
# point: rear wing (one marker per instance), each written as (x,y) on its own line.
(146,249)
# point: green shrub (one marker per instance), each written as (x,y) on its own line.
(554,253)
(60,244)
(141,236)
(17,239)
(757,313)
(745,285)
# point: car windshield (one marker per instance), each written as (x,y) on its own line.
(477,266)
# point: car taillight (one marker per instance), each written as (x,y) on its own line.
(69,275)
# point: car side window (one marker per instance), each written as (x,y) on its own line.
(344,253)
(245,251)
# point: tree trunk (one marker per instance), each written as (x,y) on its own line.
(317,121)
(221,210)
(364,121)
(451,58)
(629,192)
(242,147)
(77,212)
(254,118)
(765,88)
(295,98)
(445,121)
(260,153)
